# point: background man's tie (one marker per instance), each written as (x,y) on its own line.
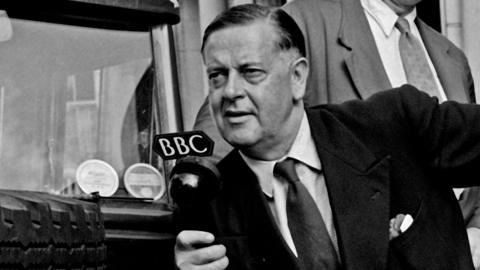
(415,61)
(312,241)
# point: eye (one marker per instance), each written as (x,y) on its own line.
(217,78)
(254,75)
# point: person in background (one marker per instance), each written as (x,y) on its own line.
(360,185)
(357,48)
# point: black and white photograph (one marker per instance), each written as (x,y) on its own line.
(240,134)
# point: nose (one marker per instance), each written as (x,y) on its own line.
(234,87)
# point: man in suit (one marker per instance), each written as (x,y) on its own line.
(362,162)
(351,47)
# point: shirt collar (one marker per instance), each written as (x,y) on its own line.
(303,149)
(384,16)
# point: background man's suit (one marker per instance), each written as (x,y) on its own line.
(374,168)
(345,63)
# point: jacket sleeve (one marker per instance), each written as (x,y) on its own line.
(448,134)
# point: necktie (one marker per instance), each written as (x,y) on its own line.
(415,61)
(312,241)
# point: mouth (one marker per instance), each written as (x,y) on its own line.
(236,117)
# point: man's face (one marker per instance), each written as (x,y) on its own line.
(402,7)
(250,85)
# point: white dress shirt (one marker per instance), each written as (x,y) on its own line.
(308,168)
(382,19)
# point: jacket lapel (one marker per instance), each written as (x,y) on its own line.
(261,226)
(358,187)
(448,68)
(362,59)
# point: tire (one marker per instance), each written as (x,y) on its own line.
(43,231)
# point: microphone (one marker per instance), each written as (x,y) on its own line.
(194,181)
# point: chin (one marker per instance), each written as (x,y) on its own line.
(241,140)
(240,143)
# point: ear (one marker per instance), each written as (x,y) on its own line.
(299,73)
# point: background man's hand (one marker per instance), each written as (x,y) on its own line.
(474,240)
(192,252)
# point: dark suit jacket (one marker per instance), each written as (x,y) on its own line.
(397,152)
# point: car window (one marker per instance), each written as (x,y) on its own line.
(76,102)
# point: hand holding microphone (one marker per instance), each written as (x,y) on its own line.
(194,182)
(188,254)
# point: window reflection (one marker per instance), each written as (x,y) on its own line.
(69,94)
